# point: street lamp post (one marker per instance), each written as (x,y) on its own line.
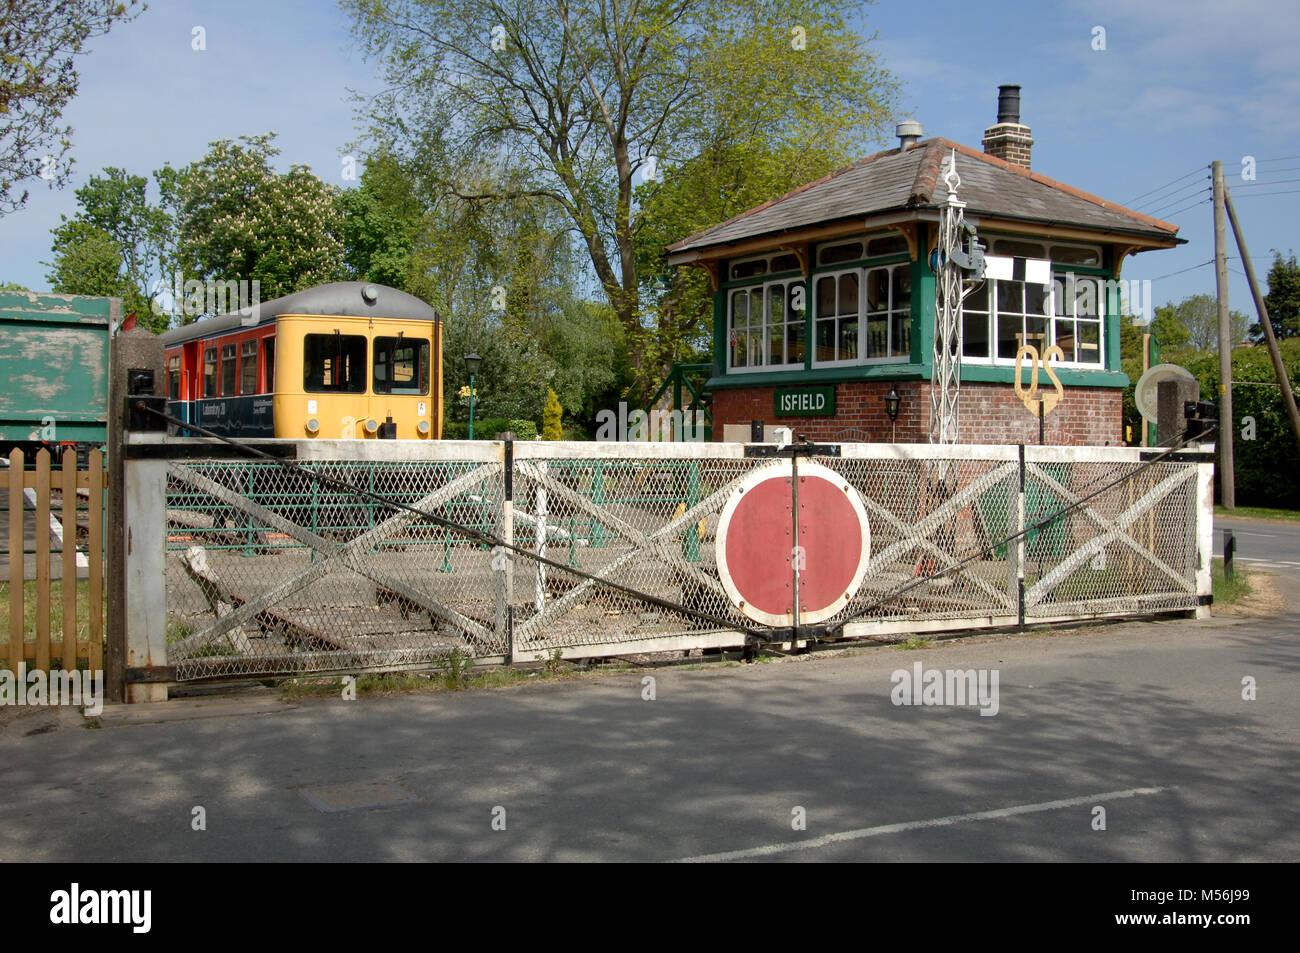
(472,362)
(892,400)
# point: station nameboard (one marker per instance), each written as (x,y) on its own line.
(805,401)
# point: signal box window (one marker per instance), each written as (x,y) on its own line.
(210,372)
(248,367)
(229,367)
(334,363)
(401,366)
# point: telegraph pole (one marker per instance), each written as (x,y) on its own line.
(1227,477)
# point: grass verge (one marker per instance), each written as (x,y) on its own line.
(1228,592)
(1259,513)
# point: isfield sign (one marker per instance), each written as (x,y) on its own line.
(805,401)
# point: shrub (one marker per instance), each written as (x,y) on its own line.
(552,414)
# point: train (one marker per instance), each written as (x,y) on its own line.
(346,360)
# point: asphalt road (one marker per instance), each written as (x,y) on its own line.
(1146,720)
(1267,544)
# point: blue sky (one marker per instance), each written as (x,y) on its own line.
(1179,83)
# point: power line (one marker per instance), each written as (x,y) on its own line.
(1260,195)
(1169,215)
(1256,185)
(1193,268)
(1165,186)
(1173,198)
(1280,159)
(1178,201)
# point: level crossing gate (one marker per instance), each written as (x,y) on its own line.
(343,556)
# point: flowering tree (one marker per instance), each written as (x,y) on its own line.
(237,218)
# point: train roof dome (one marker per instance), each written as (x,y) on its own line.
(350,298)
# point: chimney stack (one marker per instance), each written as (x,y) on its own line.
(1009,139)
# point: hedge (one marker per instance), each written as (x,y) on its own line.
(488,427)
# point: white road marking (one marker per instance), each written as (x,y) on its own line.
(828,839)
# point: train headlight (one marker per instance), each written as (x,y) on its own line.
(423,428)
(372,425)
(313,426)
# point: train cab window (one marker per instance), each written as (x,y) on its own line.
(268,361)
(334,362)
(401,365)
(210,372)
(248,367)
(229,367)
(174,378)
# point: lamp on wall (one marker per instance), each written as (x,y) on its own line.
(892,401)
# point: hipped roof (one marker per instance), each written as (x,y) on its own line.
(909,180)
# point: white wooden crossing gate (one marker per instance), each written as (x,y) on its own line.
(383,555)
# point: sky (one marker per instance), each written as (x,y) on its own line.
(1130,100)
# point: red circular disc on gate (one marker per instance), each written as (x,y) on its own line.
(757,552)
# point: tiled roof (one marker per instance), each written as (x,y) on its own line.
(897,180)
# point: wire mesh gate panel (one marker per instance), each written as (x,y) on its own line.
(274,572)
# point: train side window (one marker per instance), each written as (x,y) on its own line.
(334,362)
(248,368)
(210,372)
(268,361)
(229,368)
(174,378)
(401,365)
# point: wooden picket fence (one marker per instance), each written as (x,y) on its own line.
(56,491)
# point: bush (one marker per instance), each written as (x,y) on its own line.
(488,427)
(552,414)
(1265,466)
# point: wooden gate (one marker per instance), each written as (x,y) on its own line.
(54,624)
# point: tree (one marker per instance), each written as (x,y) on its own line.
(114,218)
(39,44)
(571,104)
(238,219)
(552,415)
(1194,323)
(87,261)
(1283,299)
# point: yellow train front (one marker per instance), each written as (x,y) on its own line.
(344,360)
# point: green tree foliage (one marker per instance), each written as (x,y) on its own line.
(87,261)
(504,276)
(1193,324)
(237,218)
(114,245)
(574,106)
(39,44)
(1283,299)
(13,286)
(552,416)
(1266,465)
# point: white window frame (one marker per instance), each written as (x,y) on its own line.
(861,271)
(991,317)
(764,364)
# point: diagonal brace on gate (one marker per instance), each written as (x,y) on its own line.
(659,542)
(335,555)
(1114,531)
(917,536)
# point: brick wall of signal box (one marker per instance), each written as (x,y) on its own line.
(988,413)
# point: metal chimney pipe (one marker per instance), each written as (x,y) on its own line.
(908,133)
(1009,104)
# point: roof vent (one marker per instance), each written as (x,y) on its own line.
(908,133)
